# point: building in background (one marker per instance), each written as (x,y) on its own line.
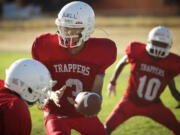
(138,7)
(27,9)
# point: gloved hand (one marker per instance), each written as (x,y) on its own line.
(55,96)
(111,88)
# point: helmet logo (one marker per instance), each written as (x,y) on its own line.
(69,15)
(67,21)
(161,35)
(79,22)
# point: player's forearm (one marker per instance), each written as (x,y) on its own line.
(115,76)
(175,93)
(98,84)
(120,66)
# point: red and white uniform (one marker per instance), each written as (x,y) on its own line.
(14,114)
(148,79)
(77,72)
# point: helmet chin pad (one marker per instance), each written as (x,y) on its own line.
(155,51)
(66,44)
(30,104)
(67,41)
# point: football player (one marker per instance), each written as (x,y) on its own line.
(77,61)
(153,67)
(27,82)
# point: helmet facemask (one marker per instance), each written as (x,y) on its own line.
(30,79)
(159,42)
(157,51)
(68,40)
(31,95)
(75,15)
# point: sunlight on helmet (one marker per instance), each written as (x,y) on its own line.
(30,79)
(75,15)
(159,42)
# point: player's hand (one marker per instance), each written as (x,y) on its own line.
(55,96)
(111,88)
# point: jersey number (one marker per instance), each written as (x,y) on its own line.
(79,88)
(151,90)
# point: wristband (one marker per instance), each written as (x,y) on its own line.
(113,83)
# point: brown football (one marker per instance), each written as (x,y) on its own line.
(88,103)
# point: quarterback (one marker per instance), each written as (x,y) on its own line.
(76,61)
(26,83)
(153,67)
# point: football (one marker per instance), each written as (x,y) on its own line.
(88,103)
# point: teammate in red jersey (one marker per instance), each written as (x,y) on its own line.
(77,61)
(152,69)
(26,83)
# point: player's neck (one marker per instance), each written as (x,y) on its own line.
(76,50)
(155,58)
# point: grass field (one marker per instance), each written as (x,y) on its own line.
(16,41)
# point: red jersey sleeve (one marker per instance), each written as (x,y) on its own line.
(174,64)
(24,118)
(108,55)
(1,123)
(129,52)
(39,48)
(1,83)
(17,120)
(36,47)
(134,50)
(33,50)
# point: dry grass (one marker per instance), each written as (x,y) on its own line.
(19,35)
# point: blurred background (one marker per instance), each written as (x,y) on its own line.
(21,21)
(121,20)
(21,9)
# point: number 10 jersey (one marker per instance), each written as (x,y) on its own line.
(148,76)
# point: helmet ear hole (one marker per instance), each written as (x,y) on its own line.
(30,90)
(163,53)
(152,50)
(80,35)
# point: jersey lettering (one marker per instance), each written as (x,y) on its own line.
(152,69)
(75,68)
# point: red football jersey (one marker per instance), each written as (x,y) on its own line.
(76,71)
(14,114)
(149,76)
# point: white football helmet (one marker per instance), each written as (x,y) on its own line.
(30,79)
(75,14)
(160,34)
